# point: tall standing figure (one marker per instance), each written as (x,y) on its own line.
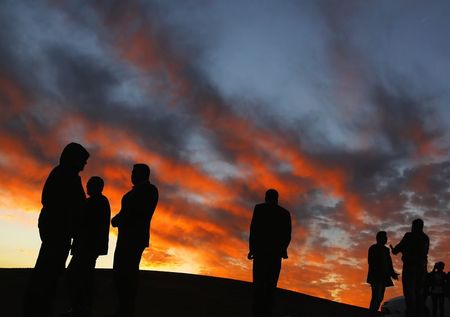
(133,221)
(380,271)
(63,198)
(414,248)
(270,235)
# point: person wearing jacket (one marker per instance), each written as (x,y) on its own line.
(133,222)
(414,248)
(63,199)
(381,272)
(90,242)
(270,235)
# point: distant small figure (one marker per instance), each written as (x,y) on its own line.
(133,221)
(63,198)
(270,235)
(90,242)
(447,286)
(414,248)
(437,280)
(380,272)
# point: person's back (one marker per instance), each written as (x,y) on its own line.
(63,198)
(93,231)
(415,248)
(270,230)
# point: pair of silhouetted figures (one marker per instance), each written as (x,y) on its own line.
(70,222)
(417,283)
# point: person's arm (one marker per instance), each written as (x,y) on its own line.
(371,257)
(392,272)
(121,216)
(400,246)
(253,234)
(104,230)
(287,235)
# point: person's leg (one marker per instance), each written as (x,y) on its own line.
(272,280)
(434,302)
(409,290)
(378,290)
(44,278)
(259,286)
(89,284)
(441,300)
(126,276)
(420,295)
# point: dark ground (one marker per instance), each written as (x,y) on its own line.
(165,294)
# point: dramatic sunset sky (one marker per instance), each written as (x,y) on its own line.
(343,106)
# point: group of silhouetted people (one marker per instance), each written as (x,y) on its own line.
(70,222)
(417,282)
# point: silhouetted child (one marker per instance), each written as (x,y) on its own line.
(437,280)
(90,242)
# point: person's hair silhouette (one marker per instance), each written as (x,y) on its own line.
(380,271)
(133,222)
(90,242)
(414,248)
(63,199)
(270,235)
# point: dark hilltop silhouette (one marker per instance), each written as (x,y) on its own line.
(175,294)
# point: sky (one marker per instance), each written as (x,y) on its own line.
(342,106)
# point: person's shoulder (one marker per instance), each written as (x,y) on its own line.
(284,211)
(378,248)
(104,199)
(153,187)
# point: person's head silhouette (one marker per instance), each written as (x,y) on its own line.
(140,174)
(417,225)
(74,156)
(95,186)
(439,266)
(382,237)
(271,196)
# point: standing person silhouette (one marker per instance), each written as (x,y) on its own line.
(63,198)
(270,235)
(90,242)
(437,282)
(380,271)
(414,248)
(133,221)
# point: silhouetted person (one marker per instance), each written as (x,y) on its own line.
(414,248)
(63,198)
(133,221)
(437,280)
(270,234)
(90,242)
(380,272)
(447,286)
